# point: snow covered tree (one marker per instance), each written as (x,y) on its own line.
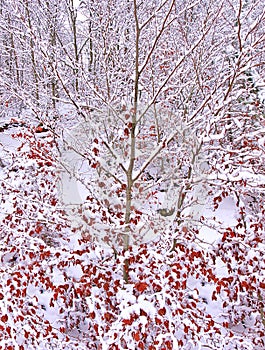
(160,123)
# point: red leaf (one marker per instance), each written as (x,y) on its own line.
(141,286)
(96,328)
(26,334)
(48,330)
(39,128)
(157,320)
(107,316)
(92,314)
(106,286)
(95,151)
(31,255)
(126,132)
(180,311)
(185,229)
(127,321)
(141,345)
(143,313)
(8,330)
(162,311)
(4,318)
(53,201)
(244,284)
(38,229)
(168,344)
(95,165)
(137,336)
(214,296)
(211,323)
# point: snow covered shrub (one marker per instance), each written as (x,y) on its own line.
(30,229)
(171,300)
(59,291)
